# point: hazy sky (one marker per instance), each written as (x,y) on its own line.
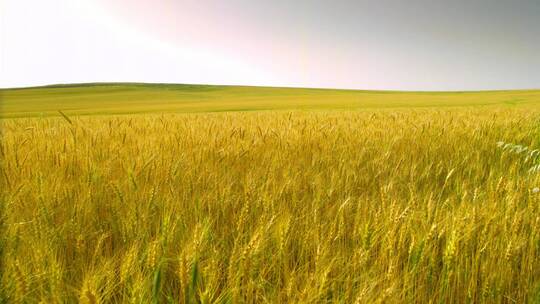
(379,44)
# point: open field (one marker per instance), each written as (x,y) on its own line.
(408,200)
(92,99)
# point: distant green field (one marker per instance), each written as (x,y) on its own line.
(130,98)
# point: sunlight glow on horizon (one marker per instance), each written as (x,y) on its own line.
(105,48)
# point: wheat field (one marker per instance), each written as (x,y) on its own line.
(374,206)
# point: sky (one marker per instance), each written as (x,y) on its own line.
(357,44)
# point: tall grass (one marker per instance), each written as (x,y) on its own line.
(350,207)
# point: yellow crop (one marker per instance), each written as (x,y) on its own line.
(377,206)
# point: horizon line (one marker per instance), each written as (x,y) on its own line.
(82,84)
